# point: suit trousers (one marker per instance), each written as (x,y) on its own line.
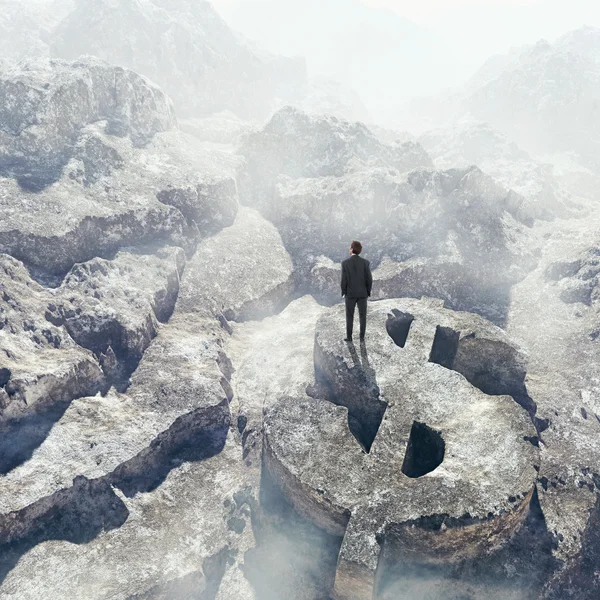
(362,314)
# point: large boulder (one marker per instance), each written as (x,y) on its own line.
(114,307)
(298,145)
(41,364)
(88,159)
(45,104)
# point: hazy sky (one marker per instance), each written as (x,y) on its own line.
(419,47)
(486,26)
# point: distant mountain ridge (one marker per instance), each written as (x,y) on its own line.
(187,49)
(545,97)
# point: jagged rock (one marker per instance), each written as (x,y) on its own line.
(468,458)
(540,196)
(426,213)
(578,280)
(40,364)
(178,542)
(185,47)
(445,278)
(320,196)
(295,144)
(46,103)
(243,272)
(562,380)
(115,306)
(176,394)
(459,217)
(176,410)
(173,190)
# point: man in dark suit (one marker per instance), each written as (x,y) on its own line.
(356,287)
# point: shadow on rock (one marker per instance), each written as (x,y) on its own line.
(20,437)
(193,437)
(516,571)
(77,515)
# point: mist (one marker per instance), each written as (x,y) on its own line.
(185,411)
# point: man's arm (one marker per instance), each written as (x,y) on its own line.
(344,282)
(369,279)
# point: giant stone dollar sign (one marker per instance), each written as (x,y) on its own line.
(421,444)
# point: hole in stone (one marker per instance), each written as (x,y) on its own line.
(364,422)
(398,325)
(424,451)
(445,346)
(5,375)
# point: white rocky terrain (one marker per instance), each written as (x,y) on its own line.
(336,179)
(180,417)
(184,46)
(543,97)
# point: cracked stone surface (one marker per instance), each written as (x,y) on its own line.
(98,434)
(262,352)
(243,272)
(40,362)
(473,501)
(178,540)
(144,182)
(114,307)
(563,380)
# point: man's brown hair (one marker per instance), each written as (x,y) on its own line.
(356,247)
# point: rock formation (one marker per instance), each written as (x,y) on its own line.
(186,48)
(179,417)
(409,399)
(541,195)
(337,180)
(99,151)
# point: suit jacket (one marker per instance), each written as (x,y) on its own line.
(357,280)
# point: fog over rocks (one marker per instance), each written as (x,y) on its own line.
(541,96)
(26,27)
(179,416)
(337,180)
(184,46)
(478,143)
